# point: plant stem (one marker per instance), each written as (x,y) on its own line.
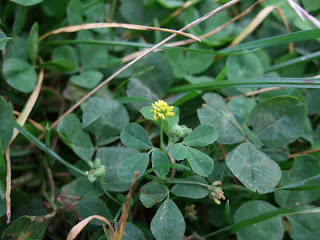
(161,136)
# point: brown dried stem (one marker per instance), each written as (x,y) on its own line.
(87,26)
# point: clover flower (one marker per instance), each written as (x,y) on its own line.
(161,109)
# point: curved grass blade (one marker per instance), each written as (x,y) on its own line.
(262,82)
(231,229)
(277,40)
(302,59)
(47,150)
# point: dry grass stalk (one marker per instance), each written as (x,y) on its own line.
(76,230)
(87,26)
(125,212)
(8,185)
(303,14)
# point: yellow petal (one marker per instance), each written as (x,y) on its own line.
(155,117)
(162,116)
(170,109)
(170,114)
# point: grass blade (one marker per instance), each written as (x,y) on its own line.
(260,82)
(251,221)
(277,40)
(44,148)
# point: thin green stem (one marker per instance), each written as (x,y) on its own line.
(111,197)
(47,150)
(161,135)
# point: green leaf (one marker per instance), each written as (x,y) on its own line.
(178,151)
(27,3)
(153,84)
(217,114)
(132,232)
(74,12)
(134,136)
(168,223)
(244,67)
(3,39)
(140,12)
(19,74)
(66,59)
(304,167)
(201,136)
(311,5)
(278,121)
(87,79)
(92,56)
(253,168)
(200,163)
(34,226)
(33,44)
(160,158)
(241,108)
(82,187)
(305,226)
(104,118)
(191,190)
(171,3)
(130,165)
(3,207)
(152,193)
(111,158)
(89,206)
(189,63)
(71,133)
(277,154)
(269,229)
(6,120)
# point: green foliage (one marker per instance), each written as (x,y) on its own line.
(200,163)
(178,151)
(6,126)
(71,132)
(130,165)
(244,67)
(93,206)
(201,136)
(189,190)
(304,167)
(134,136)
(217,114)
(152,193)
(278,121)
(270,229)
(160,158)
(19,74)
(168,217)
(253,168)
(33,44)
(232,139)
(305,226)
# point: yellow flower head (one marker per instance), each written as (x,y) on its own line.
(161,109)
